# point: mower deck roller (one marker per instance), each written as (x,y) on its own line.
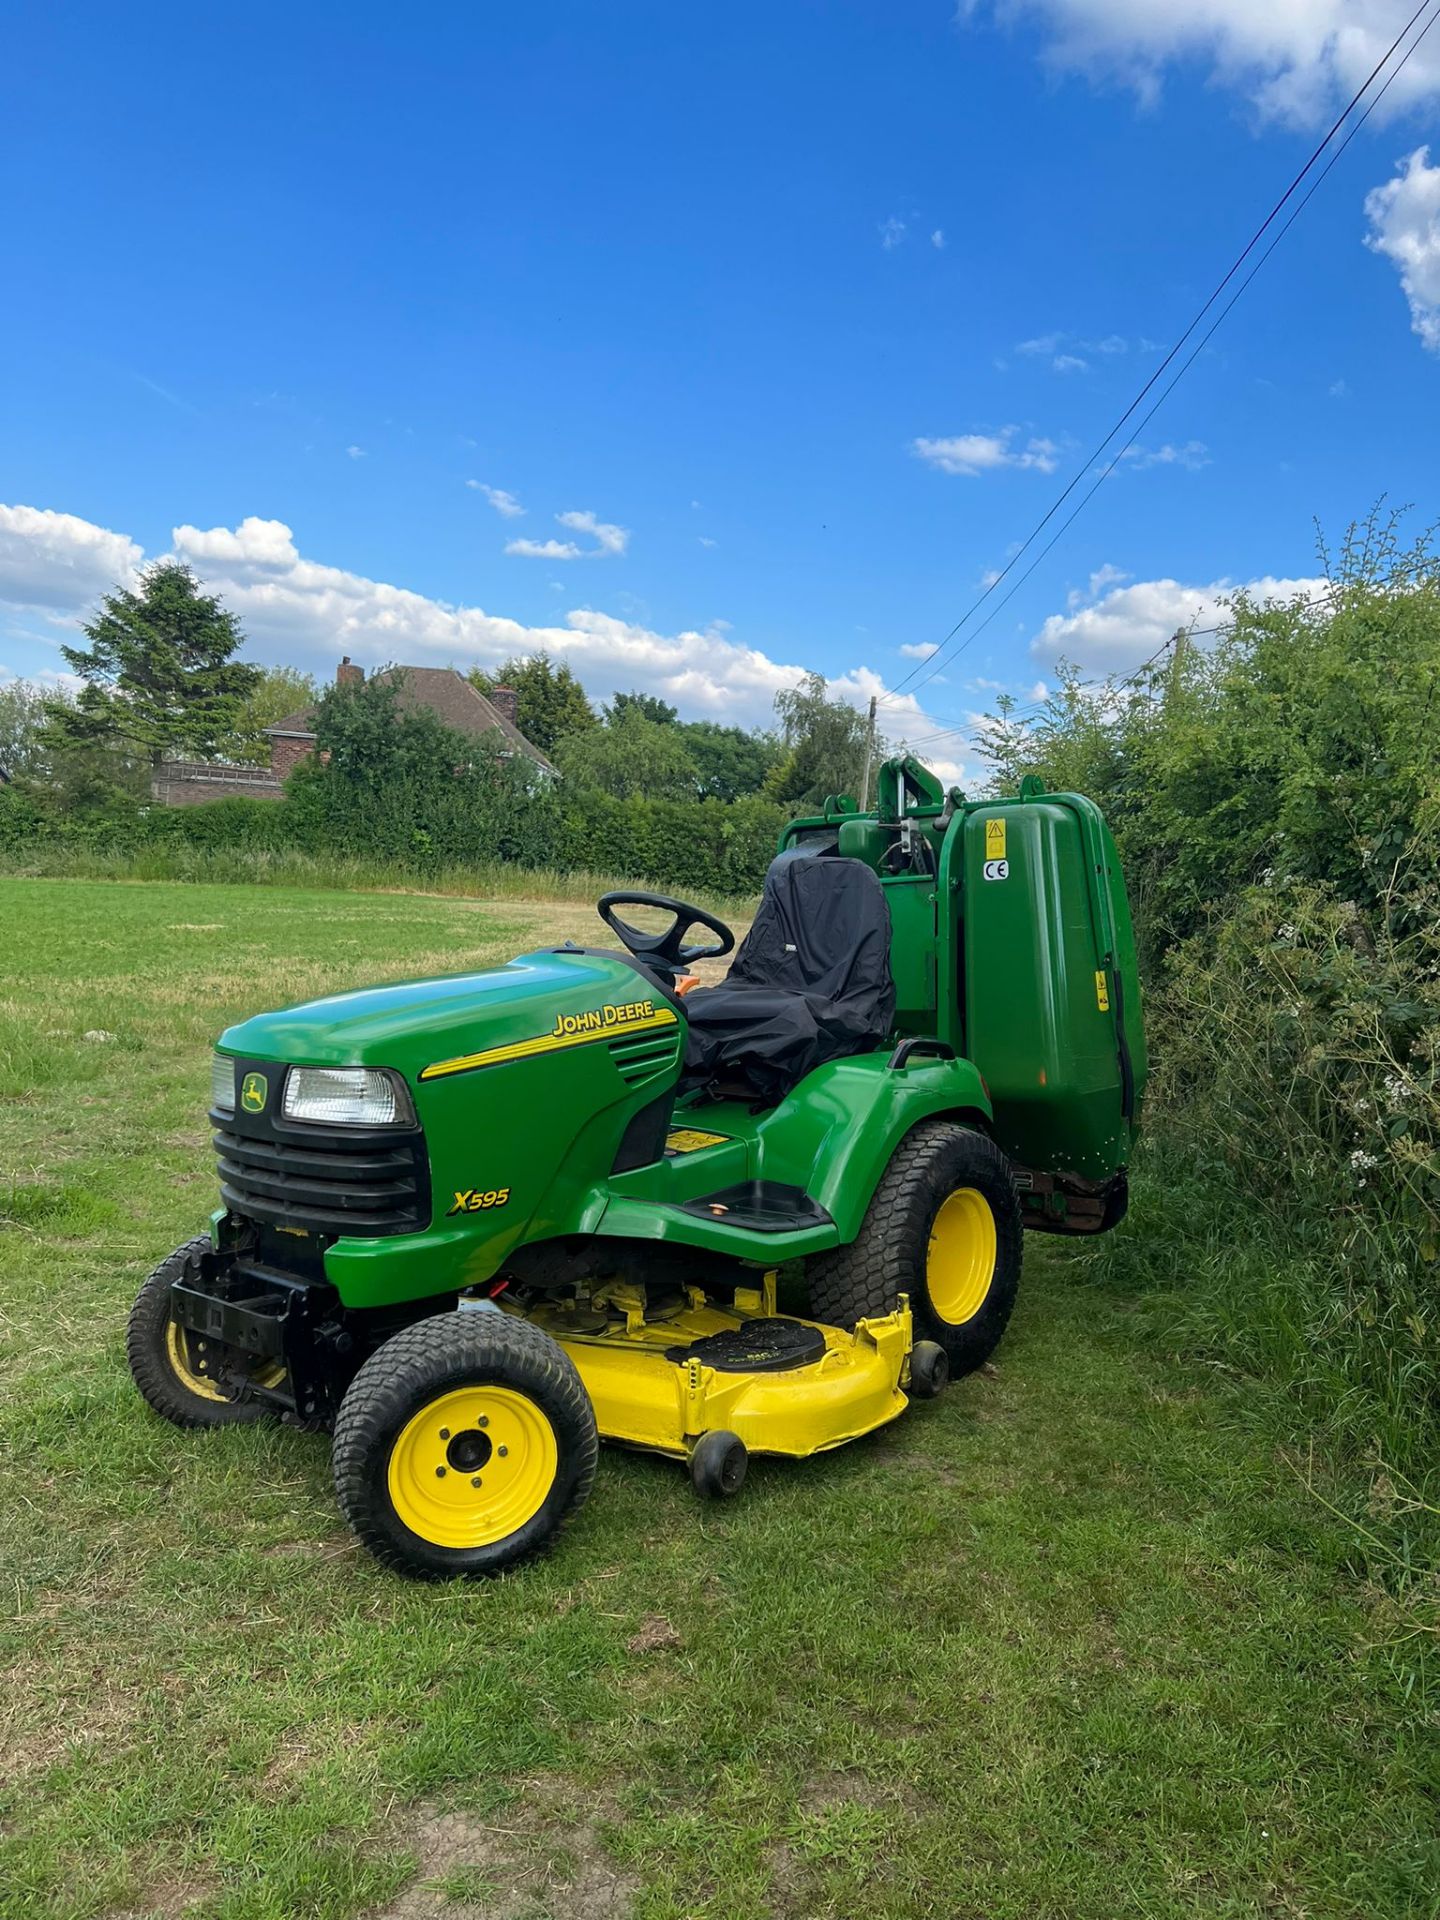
(476,1224)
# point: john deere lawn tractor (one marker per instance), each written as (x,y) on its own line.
(476,1224)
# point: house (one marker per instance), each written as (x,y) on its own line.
(183,783)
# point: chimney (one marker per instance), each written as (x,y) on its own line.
(348,676)
(504,700)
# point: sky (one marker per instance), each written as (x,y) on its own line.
(702,347)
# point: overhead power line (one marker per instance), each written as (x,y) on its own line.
(940,657)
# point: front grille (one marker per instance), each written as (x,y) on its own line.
(644,1055)
(353,1181)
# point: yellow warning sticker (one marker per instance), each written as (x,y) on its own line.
(994,839)
(691,1140)
(1102,990)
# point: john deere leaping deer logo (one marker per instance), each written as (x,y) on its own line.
(253,1089)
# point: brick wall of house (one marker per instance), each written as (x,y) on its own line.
(189,783)
(287,751)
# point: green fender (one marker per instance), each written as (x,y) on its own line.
(833,1138)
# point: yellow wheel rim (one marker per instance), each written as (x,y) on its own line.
(960,1264)
(473,1466)
(179,1357)
(200,1384)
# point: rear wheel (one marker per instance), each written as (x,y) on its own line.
(463,1445)
(943,1227)
(175,1369)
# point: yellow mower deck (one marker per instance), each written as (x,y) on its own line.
(644,1398)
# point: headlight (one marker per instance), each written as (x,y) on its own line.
(348,1097)
(222,1083)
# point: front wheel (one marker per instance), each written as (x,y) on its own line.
(178,1371)
(944,1227)
(463,1446)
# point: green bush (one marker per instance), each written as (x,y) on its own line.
(419,827)
(1276,800)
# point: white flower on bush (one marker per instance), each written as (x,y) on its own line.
(1362,1161)
(1286,932)
(1397,1089)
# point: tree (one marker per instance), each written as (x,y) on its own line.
(631,758)
(22,717)
(279,692)
(647,705)
(826,742)
(365,736)
(729,762)
(160,675)
(550,701)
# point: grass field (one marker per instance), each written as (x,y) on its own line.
(1072,1643)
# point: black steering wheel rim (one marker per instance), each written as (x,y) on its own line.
(665,949)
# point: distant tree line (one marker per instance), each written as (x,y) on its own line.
(160,679)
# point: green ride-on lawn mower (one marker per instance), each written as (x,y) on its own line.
(476,1224)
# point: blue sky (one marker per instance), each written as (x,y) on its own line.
(801,313)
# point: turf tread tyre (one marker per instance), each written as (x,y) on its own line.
(888,1255)
(451,1350)
(148,1354)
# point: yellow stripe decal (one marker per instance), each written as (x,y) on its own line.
(550,1043)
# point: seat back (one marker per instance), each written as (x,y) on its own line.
(823,929)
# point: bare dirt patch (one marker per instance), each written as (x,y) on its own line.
(536,1858)
(655,1635)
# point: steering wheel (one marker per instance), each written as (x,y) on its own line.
(665,949)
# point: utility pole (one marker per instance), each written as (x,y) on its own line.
(869,757)
(1180,645)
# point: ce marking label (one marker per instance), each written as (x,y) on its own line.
(997,869)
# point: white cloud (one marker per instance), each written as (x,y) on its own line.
(607,537)
(355,453)
(1043,344)
(1339,390)
(56,560)
(972,453)
(1112,628)
(937,239)
(706,541)
(544,549)
(1193,455)
(892,232)
(1066,351)
(504,503)
(49,679)
(1404,218)
(919,649)
(1293,60)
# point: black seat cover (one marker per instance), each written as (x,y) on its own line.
(810,982)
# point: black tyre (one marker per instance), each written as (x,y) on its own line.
(718,1464)
(929,1370)
(170,1364)
(463,1446)
(944,1227)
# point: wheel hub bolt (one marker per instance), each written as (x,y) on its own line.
(503,1452)
(439,1473)
(484,1420)
(476,1481)
(444,1433)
